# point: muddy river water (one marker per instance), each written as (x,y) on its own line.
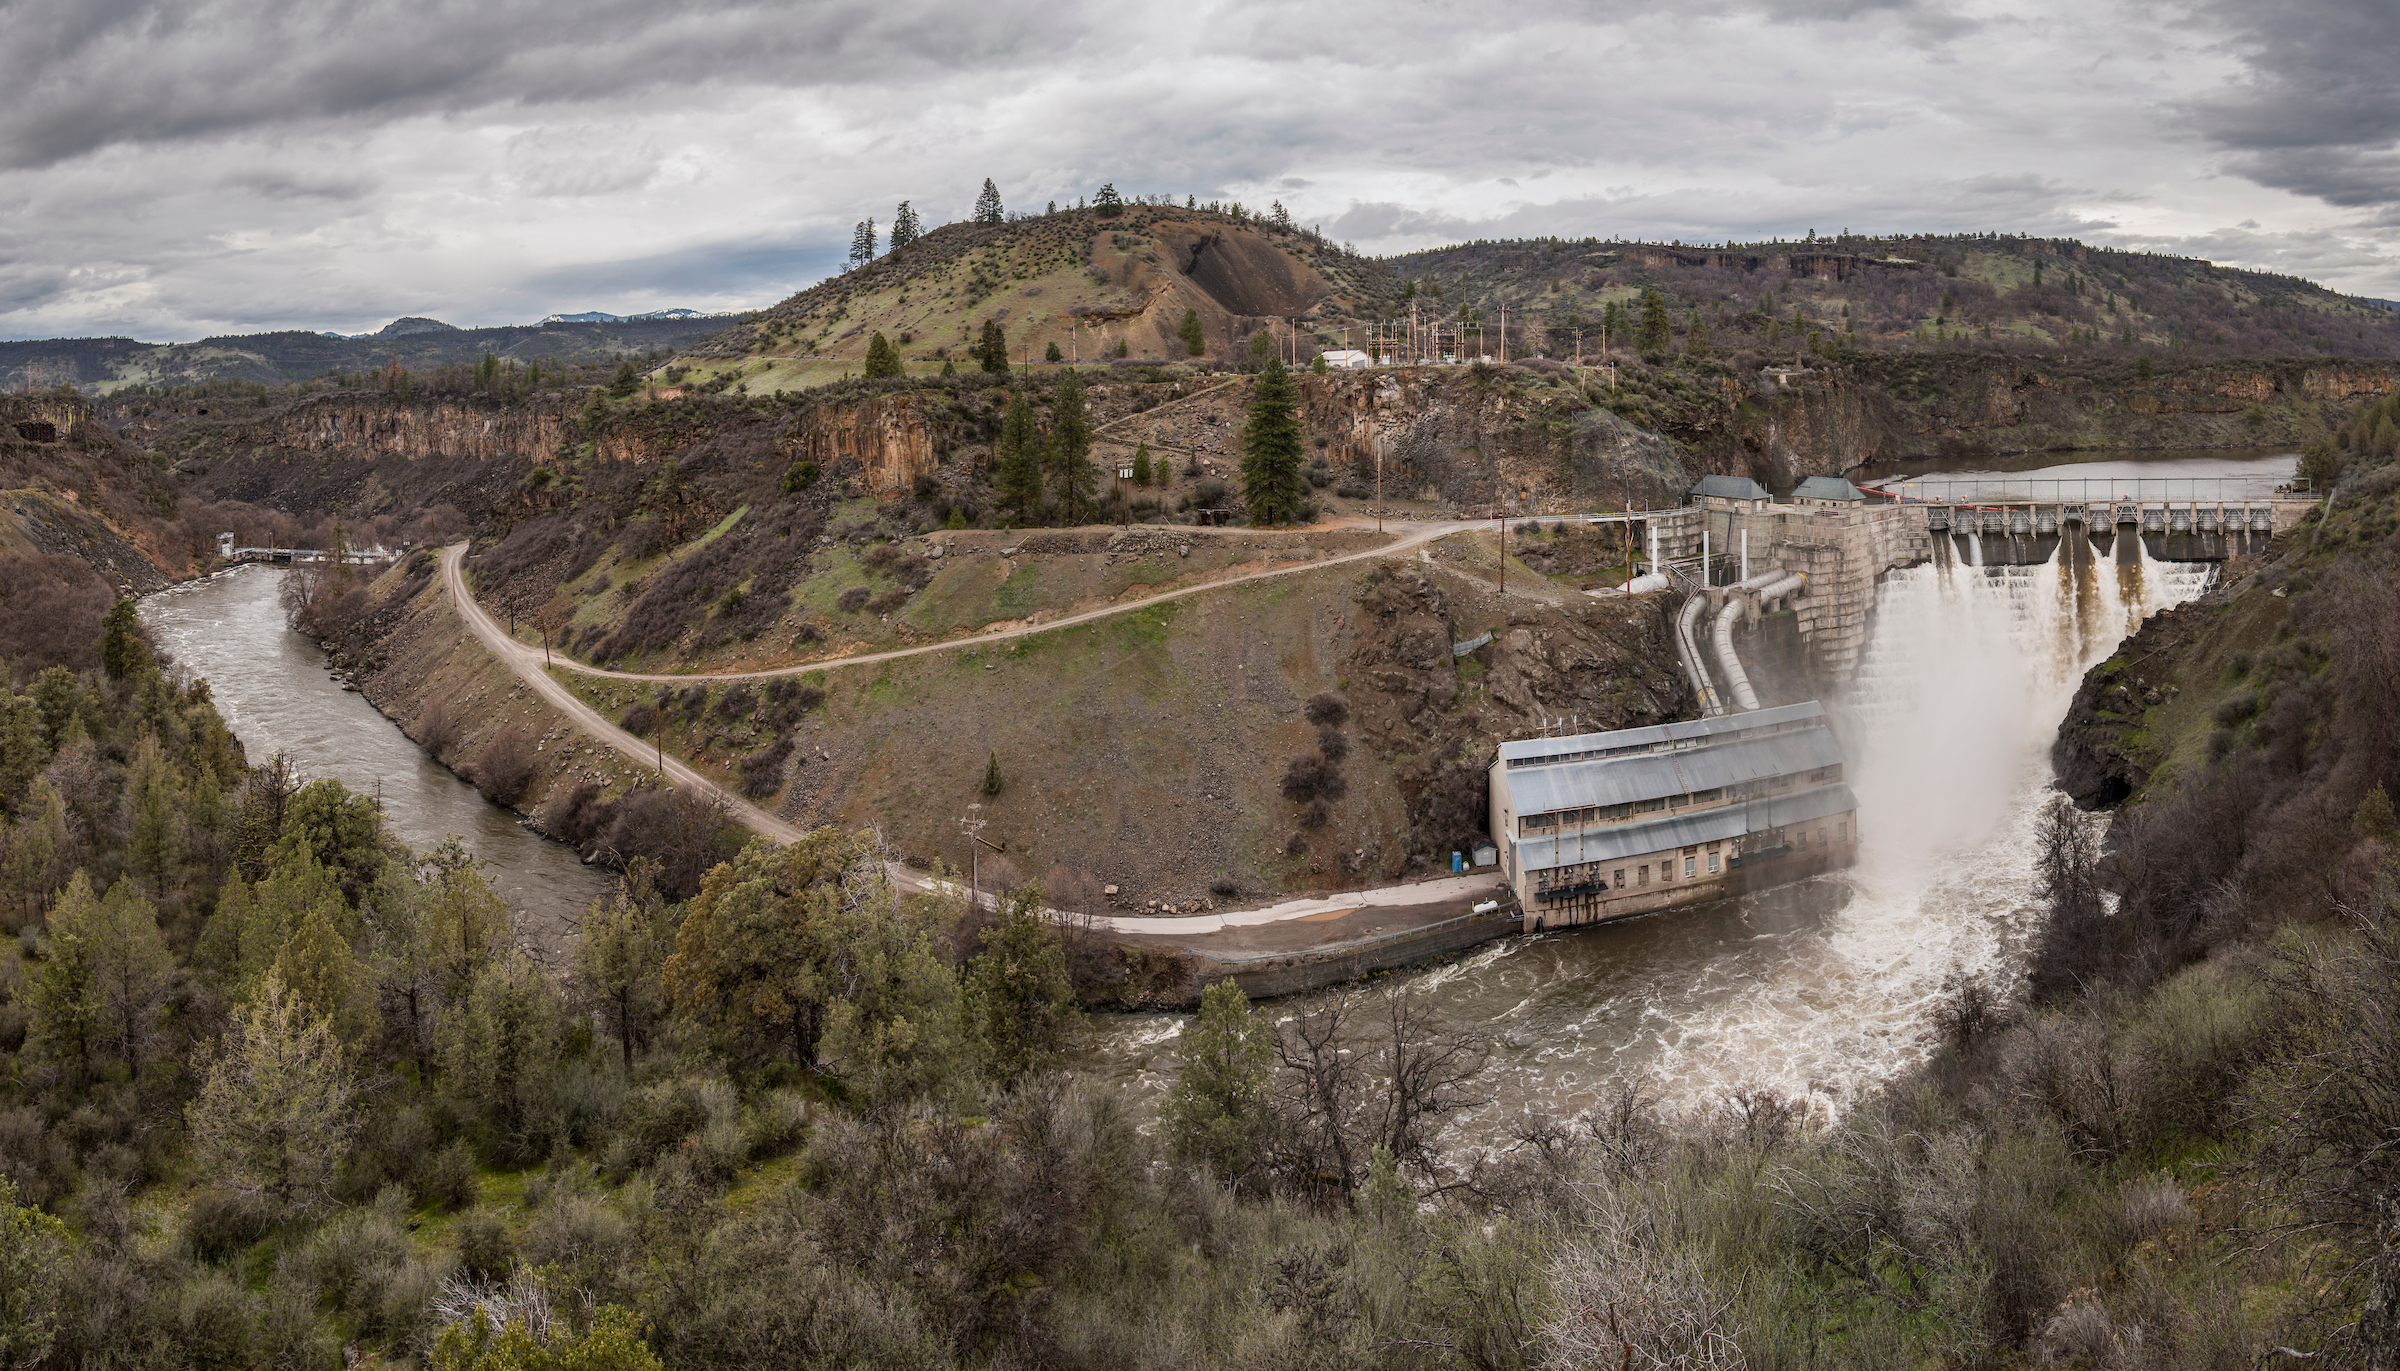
(272,687)
(1821,990)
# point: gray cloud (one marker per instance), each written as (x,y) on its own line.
(175,169)
(2317,110)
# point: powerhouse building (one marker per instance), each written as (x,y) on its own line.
(1604,826)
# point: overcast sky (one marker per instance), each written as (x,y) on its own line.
(174,170)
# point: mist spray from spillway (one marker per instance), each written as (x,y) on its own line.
(1824,989)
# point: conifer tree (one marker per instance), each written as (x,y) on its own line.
(1016,463)
(862,243)
(991,776)
(1071,473)
(1018,992)
(991,348)
(1108,202)
(1695,341)
(1272,484)
(1052,354)
(882,358)
(65,988)
(122,652)
(1217,1111)
(987,205)
(905,227)
(1141,464)
(1195,339)
(1656,332)
(276,1116)
(620,954)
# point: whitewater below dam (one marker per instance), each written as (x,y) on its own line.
(1823,990)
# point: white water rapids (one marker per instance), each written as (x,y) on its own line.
(1824,989)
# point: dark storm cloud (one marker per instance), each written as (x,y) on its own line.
(2318,112)
(90,74)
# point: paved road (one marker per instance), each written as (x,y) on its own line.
(526,662)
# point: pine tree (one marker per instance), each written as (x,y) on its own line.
(34,1251)
(987,205)
(1016,462)
(1195,339)
(1656,333)
(1695,341)
(882,358)
(122,652)
(133,974)
(1018,992)
(1281,216)
(22,751)
(1271,450)
(991,776)
(1071,473)
(317,966)
(65,989)
(905,227)
(1108,202)
(153,815)
(1141,464)
(1216,1114)
(620,954)
(862,243)
(1052,354)
(275,1116)
(991,349)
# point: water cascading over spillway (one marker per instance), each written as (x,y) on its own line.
(1827,988)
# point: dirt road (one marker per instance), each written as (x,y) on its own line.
(1401,545)
(526,662)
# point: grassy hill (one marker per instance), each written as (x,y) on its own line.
(1906,292)
(1077,278)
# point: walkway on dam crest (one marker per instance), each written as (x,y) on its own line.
(525,661)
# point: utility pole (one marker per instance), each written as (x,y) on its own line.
(1501,509)
(972,826)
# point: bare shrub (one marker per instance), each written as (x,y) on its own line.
(1331,745)
(1296,845)
(437,729)
(853,600)
(763,770)
(640,719)
(1628,1295)
(888,601)
(1327,710)
(504,769)
(1311,777)
(576,815)
(681,834)
(1315,814)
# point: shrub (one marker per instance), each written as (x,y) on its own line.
(220,1223)
(437,729)
(1223,888)
(1327,710)
(854,599)
(2236,708)
(448,1179)
(1311,777)
(1332,744)
(640,719)
(763,770)
(576,815)
(1315,814)
(504,770)
(888,601)
(484,1250)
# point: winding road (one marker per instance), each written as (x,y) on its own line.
(527,663)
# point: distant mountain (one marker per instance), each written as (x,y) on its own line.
(103,365)
(597,317)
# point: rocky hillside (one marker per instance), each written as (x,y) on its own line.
(1084,281)
(1905,293)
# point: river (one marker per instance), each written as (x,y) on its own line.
(274,691)
(1824,990)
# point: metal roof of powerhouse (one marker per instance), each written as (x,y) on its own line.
(1685,829)
(1694,732)
(1649,776)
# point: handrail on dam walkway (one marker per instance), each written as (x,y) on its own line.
(2050,490)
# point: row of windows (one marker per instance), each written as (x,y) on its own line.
(1597,873)
(1613,878)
